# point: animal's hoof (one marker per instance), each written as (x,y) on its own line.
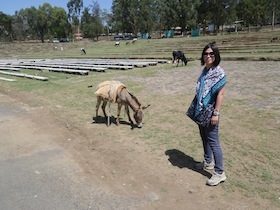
(139,126)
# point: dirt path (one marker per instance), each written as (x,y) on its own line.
(37,173)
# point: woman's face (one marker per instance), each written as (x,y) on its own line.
(209,57)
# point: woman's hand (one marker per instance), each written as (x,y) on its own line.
(214,120)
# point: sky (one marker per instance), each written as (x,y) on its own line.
(10,6)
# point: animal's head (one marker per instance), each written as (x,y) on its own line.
(184,59)
(138,116)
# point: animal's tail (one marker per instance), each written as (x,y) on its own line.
(89,86)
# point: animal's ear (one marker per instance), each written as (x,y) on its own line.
(145,107)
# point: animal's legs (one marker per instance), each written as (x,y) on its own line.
(118,113)
(104,111)
(97,106)
(103,108)
(178,60)
(128,114)
(109,116)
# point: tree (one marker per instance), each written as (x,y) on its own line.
(221,12)
(5,26)
(20,26)
(85,22)
(106,21)
(187,14)
(43,20)
(168,14)
(46,22)
(123,16)
(274,6)
(159,17)
(39,21)
(91,22)
(96,19)
(133,16)
(246,12)
(59,25)
(74,11)
(204,16)
(146,18)
(262,11)
(31,19)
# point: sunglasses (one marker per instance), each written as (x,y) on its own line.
(210,53)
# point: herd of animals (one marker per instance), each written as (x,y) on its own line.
(116,92)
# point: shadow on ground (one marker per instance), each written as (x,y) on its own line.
(181,160)
(113,120)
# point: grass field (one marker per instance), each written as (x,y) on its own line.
(232,46)
(250,122)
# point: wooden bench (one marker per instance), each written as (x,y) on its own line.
(25,75)
(69,71)
(8,80)
(9,68)
(68,66)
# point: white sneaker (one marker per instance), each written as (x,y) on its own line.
(216,179)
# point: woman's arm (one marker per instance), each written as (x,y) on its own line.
(219,100)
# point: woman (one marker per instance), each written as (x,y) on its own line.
(210,89)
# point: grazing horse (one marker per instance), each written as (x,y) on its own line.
(179,55)
(116,92)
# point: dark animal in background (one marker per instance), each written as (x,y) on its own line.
(83,51)
(179,55)
(274,39)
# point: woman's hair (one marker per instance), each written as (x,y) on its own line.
(215,49)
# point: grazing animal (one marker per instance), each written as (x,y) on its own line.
(224,41)
(116,92)
(83,51)
(117,43)
(274,39)
(179,55)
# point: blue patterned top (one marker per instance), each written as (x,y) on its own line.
(208,85)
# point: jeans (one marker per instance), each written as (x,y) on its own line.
(211,146)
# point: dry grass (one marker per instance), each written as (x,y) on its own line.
(250,46)
(249,125)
